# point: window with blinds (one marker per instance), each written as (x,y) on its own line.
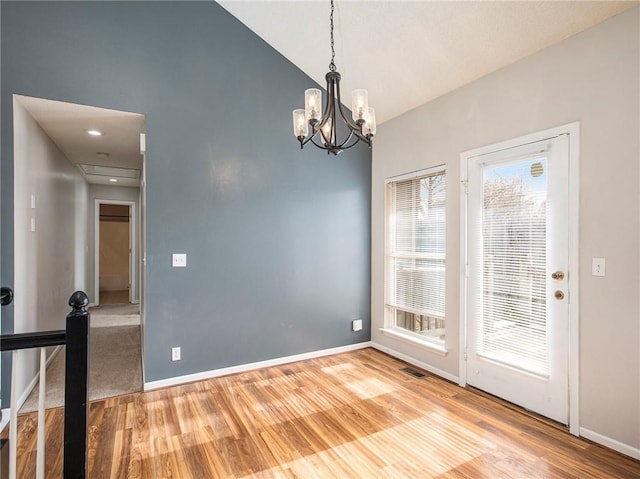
(416,247)
(513,319)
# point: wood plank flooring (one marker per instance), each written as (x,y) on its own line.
(353,415)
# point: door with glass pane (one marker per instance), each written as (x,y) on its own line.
(517,277)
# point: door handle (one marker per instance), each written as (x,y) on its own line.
(557,275)
(559,295)
(6,296)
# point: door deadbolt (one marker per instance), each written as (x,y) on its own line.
(6,296)
(558,275)
(559,295)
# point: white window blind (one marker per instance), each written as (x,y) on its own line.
(416,249)
(513,318)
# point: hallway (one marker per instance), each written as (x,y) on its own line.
(115,366)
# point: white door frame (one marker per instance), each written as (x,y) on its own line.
(573,130)
(132,245)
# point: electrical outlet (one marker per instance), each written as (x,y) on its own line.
(175,354)
(179,260)
(356,325)
(597,266)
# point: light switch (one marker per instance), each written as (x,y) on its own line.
(179,260)
(597,267)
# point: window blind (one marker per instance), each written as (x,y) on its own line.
(513,326)
(417,245)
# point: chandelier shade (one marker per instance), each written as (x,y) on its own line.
(319,125)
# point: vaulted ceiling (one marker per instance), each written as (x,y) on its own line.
(406,53)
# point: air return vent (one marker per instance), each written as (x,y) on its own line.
(96,170)
(413,372)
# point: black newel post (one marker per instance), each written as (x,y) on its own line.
(76,397)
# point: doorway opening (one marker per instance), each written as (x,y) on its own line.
(115,252)
(66,157)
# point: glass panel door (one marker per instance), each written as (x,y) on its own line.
(517,249)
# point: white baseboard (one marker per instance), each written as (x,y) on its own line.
(162,383)
(586,433)
(31,386)
(415,362)
(610,443)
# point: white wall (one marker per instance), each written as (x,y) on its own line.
(50,263)
(593,78)
(117,193)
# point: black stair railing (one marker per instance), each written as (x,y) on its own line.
(76,339)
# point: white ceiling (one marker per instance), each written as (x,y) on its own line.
(117,151)
(407,53)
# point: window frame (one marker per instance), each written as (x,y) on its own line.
(390,311)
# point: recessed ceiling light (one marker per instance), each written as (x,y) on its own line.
(113,180)
(94,132)
(103,154)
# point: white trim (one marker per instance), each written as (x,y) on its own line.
(389,318)
(574,265)
(214,373)
(133,238)
(42,396)
(142,241)
(573,130)
(430,171)
(414,340)
(537,137)
(464,268)
(621,447)
(415,362)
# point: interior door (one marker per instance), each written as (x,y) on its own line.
(517,278)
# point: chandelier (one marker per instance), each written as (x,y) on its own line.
(323,126)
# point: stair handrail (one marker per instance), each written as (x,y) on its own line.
(76,395)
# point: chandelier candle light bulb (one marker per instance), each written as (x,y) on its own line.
(359,104)
(369,126)
(324,122)
(300,125)
(313,104)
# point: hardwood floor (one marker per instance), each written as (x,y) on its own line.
(114,297)
(353,415)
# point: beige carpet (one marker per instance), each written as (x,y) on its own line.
(115,367)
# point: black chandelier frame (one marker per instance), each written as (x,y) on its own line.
(330,141)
